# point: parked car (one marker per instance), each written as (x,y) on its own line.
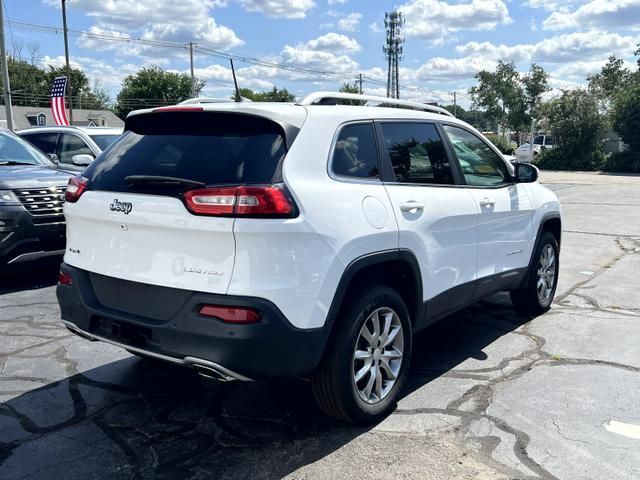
(31,218)
(524,152)
(259,241)
(72,147)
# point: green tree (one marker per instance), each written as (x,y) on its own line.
(575,119)
(508,98)
(500,95)
(607,84)
(536,84)
(476,118)
(350,88)
(275,95)
(152,86)
(626,113)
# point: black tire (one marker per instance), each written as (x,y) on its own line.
(333,385)
(527,300)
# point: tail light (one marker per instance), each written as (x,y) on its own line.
(65,279)
(236,315)
(267,201)
(76,187)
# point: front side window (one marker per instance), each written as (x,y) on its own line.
(417,153)
(481,165)
(47,142)
(71,145)
(355,152)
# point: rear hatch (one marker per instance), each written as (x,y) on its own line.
(158,207)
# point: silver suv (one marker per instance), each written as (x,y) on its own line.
(72,147)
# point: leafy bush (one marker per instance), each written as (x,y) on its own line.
(576,122)
(501,143)
(567,158)
(624,162)
(626,115)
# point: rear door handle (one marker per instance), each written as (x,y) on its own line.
(411,205)
(487,202)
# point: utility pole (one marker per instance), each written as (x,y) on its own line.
(193,77)
(66,55)
(5,71)
(455,105)
(360,82)
(393,23)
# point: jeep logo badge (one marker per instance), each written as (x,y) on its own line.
(118,206)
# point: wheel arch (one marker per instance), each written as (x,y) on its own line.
(398,269)
(551,222)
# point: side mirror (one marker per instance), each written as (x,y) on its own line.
(526,173)
(82,160)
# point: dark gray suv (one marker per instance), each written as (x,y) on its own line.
(31,195)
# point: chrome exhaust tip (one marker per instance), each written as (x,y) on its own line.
(210,372)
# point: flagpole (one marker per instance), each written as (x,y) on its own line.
(5,71)
(66,54)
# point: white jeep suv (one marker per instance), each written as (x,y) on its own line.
(254,241)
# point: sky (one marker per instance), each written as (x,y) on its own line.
(446,42)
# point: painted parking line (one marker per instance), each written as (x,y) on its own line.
(629,430)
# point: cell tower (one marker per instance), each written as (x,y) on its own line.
(393,22)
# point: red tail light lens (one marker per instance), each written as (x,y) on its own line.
(268,201)
(76,187)
(236,315)
(65,279)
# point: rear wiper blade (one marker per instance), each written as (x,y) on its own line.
(160,180)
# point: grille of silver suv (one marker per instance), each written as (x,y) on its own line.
(43,203)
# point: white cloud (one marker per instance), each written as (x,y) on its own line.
(350,22)
(614,14)
(444,69)
(97,71)
(153,20)
(561,48)
(279,8)
(555,5)
(336,2)
(375,27)
(333,43)
(437,20)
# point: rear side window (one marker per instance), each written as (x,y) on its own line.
(355,152)
(47,142)
(209,147)
(104,141)
(417,153)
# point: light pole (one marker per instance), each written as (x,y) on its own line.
(5,71)
(66,55)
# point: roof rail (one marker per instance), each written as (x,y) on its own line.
(193,101)
(332,98)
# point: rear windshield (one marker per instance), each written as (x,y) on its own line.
(209,147)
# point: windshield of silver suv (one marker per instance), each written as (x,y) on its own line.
(15,151)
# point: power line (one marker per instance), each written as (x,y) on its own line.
(204,50)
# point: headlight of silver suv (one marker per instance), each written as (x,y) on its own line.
(7,197)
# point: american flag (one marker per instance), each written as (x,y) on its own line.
(57,100)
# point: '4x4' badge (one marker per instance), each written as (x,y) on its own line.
(118,206)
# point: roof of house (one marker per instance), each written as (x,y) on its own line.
(81,116)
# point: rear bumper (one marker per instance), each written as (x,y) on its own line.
(164,323)
(23,240)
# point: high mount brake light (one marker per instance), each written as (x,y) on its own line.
(76,187)
(178,109)
(267,201)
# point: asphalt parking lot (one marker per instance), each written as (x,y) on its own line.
(491,395)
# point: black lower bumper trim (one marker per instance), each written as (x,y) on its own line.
(270,349)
